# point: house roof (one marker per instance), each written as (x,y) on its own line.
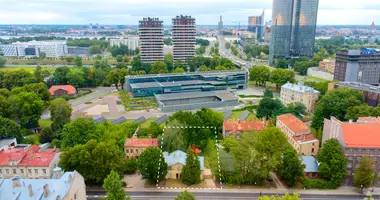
(361,135)
(293,123)
(57,187)
(179,156)
(304,138)
(141,142)
(69,88)
(28,156)
(310,163)
(242,125)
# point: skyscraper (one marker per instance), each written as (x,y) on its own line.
(256,25)
(293,28)
(220,25)
(151,35)
(183,34)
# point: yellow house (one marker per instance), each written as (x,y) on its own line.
(176,161)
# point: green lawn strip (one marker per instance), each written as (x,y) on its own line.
(250,116)
(44,123)
(147,123)
(236,114)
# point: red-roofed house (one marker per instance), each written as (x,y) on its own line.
(299,134)
(361,138)
(61,90)
(236,127)
(28,162)
(133,147)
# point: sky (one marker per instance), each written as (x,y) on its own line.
(206,12)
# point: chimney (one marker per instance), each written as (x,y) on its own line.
(46,190)
(70,178)
(16,181)
(58,172)
(30,189)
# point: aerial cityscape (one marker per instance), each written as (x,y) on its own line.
(190,100)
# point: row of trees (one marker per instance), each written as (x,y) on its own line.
(254,51)
(262,74)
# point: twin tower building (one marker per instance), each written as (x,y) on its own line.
(151,33)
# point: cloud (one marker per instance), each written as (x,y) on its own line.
(205,11)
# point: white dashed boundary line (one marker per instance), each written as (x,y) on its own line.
(217,151)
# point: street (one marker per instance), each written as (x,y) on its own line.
(165,195)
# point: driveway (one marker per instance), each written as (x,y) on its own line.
(98,92)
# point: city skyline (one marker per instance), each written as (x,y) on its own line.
(207,12)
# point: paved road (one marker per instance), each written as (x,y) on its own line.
(100,91)
(164,195)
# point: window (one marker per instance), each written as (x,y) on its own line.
(312,150)
(136,150)
(44,171)
(14,171)
(29,171)
(36,171)
(7,171)
(179,167)
(22,171)
(127,150)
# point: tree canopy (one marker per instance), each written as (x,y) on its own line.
(291,167)
(149,161)
(259,74)
(60,113)
(366,173)
(78,131)
(191,172)
(114,187)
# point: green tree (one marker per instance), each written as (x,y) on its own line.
(287,196)
(191,172)
(155,130)
(168,59)
(39,89)
(60,75)
(281,63)
(178,64)
(4,107)
(75,77)
(40,74)
(268,93)
(333,164)
(119,58)
(113,77)
(47,135)
(269,108)
(297,109)
(2,61)
(78,131)
(362,110)
(69,59)
(282,76)
(60,113)
(148,162)
(204,68)
(78,61)
(17,78)
(185,195)
(173,139)
(259,74)
(158,67)
(335,103)
(122,74)
(366,173)
(322,87)
(27,108)
(94,49)
(291,167)
(114,187)
(93,160)
(179,70)
(9,128)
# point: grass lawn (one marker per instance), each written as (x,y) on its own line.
(44,122)
(312,78)
(236,114)
(28,69)
(147,122)
(179,184)
(251,116)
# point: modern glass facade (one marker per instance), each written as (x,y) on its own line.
(256,25)
(149,85)
(293,28)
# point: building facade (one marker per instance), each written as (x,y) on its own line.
(176,161)
(256,25)
(183,35)
(28,161)
(293,93)
(357,139)
(133,147)
(293,28)
(371,93)
(52,49)
(131,42)
(299,135)
(68,186)
(328,65)
(149,85)
(361,66)
(151,34)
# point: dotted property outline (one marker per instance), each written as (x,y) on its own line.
(186,127)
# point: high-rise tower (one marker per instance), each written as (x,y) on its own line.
(183,34)
(151,35)
(256,25)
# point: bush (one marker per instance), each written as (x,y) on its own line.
(130,166)
(317,184)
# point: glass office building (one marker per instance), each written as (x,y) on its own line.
(293,28)
(256,25)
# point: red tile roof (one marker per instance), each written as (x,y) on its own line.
(304,138)
(294,124)
(361,135)
(27,156)
(141,142)
(241,125)
(70,89)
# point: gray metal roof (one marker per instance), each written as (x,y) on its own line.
(162,119)
(300,88)
(310,163)
(100,120)
(244,115)
(119,120)
(223,95)
(205,74)
(139,120)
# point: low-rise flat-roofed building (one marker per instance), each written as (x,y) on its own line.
(371,93)
(358,139)
(195,100)
(150,85)
(68,186)
(299,135)
(133,147)
(293,93)
(52,49)
(236,127)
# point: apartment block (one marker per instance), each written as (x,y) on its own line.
(183,34)
(299,135)
(328,65)
(293,93)
(357,139)
(151,34)
(131,42)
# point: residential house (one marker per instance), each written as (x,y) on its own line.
(299,134)
(236,127)
(176,161)
(361,138)
(61,90)
(67,186)
(133,147)
(311,166)
(29,161)
(293,93)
